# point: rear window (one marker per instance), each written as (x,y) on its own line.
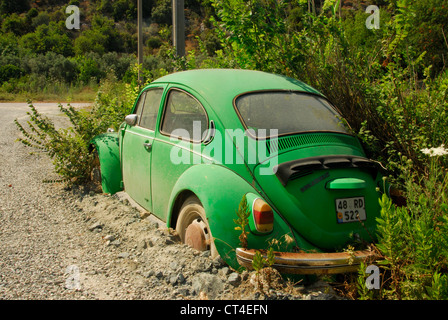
(288,112)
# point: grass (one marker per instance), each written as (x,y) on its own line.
(54,94)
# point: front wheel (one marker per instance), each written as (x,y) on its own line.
(193,228)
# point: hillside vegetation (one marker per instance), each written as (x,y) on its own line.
(390,83)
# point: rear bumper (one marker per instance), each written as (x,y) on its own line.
(309,263)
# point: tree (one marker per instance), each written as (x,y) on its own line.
(429,20)
(15,24)
(19,6)
(90,41)
(48,38)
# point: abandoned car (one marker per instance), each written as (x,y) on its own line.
(200,141)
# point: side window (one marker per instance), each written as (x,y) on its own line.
(184,117)
(139,107)
(151,108)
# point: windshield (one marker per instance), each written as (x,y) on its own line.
(288,112)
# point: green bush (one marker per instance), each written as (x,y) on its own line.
(70,147)
(89,70)
(9,45)
(154,42)
(52,66)
(15,24)
(9,71)
(161,13)
(48,38)
(115,63)
(429,22)
(42,18)
(413,240)
(90,41)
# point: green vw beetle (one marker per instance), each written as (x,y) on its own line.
(200,141)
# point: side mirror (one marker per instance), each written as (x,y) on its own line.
(131,119)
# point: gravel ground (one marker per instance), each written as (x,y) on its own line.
(59,243)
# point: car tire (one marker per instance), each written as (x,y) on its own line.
(193,228)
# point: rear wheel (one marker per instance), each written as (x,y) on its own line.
(192,226)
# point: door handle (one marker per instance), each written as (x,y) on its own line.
(147,145)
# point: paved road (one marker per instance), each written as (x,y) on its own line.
(12,110)
(39,237)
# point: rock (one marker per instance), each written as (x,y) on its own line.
(109,237)
(153,225)
(174,265)
(180,278)
(143,244)
(201,265)
(173,279)
(149,243)
(205,253)
(183,292)
(321,286)
(224,271)
(123,255)
(245,275)
(148,274)
(218,262)
(144,214)
(168,241)
(207,283)
(207,266)
(115,243)
(322,296)
(234,279)
(96,227)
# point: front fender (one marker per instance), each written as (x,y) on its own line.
(220,191)
(107,146)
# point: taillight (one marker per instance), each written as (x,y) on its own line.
(263,216)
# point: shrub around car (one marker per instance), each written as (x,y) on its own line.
(200,141)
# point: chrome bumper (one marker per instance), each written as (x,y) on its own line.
(309,263)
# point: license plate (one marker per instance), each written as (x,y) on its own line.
(350,209)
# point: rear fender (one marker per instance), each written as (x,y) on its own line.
(220,191)
(107,146)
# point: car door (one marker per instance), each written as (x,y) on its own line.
(137,144)
(178,144)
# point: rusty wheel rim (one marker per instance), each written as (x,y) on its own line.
(196,235)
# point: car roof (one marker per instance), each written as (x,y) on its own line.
(219,87)
(217,84)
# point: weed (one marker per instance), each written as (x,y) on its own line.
(263,263)
(69,147)
(242,221)
(413,240)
